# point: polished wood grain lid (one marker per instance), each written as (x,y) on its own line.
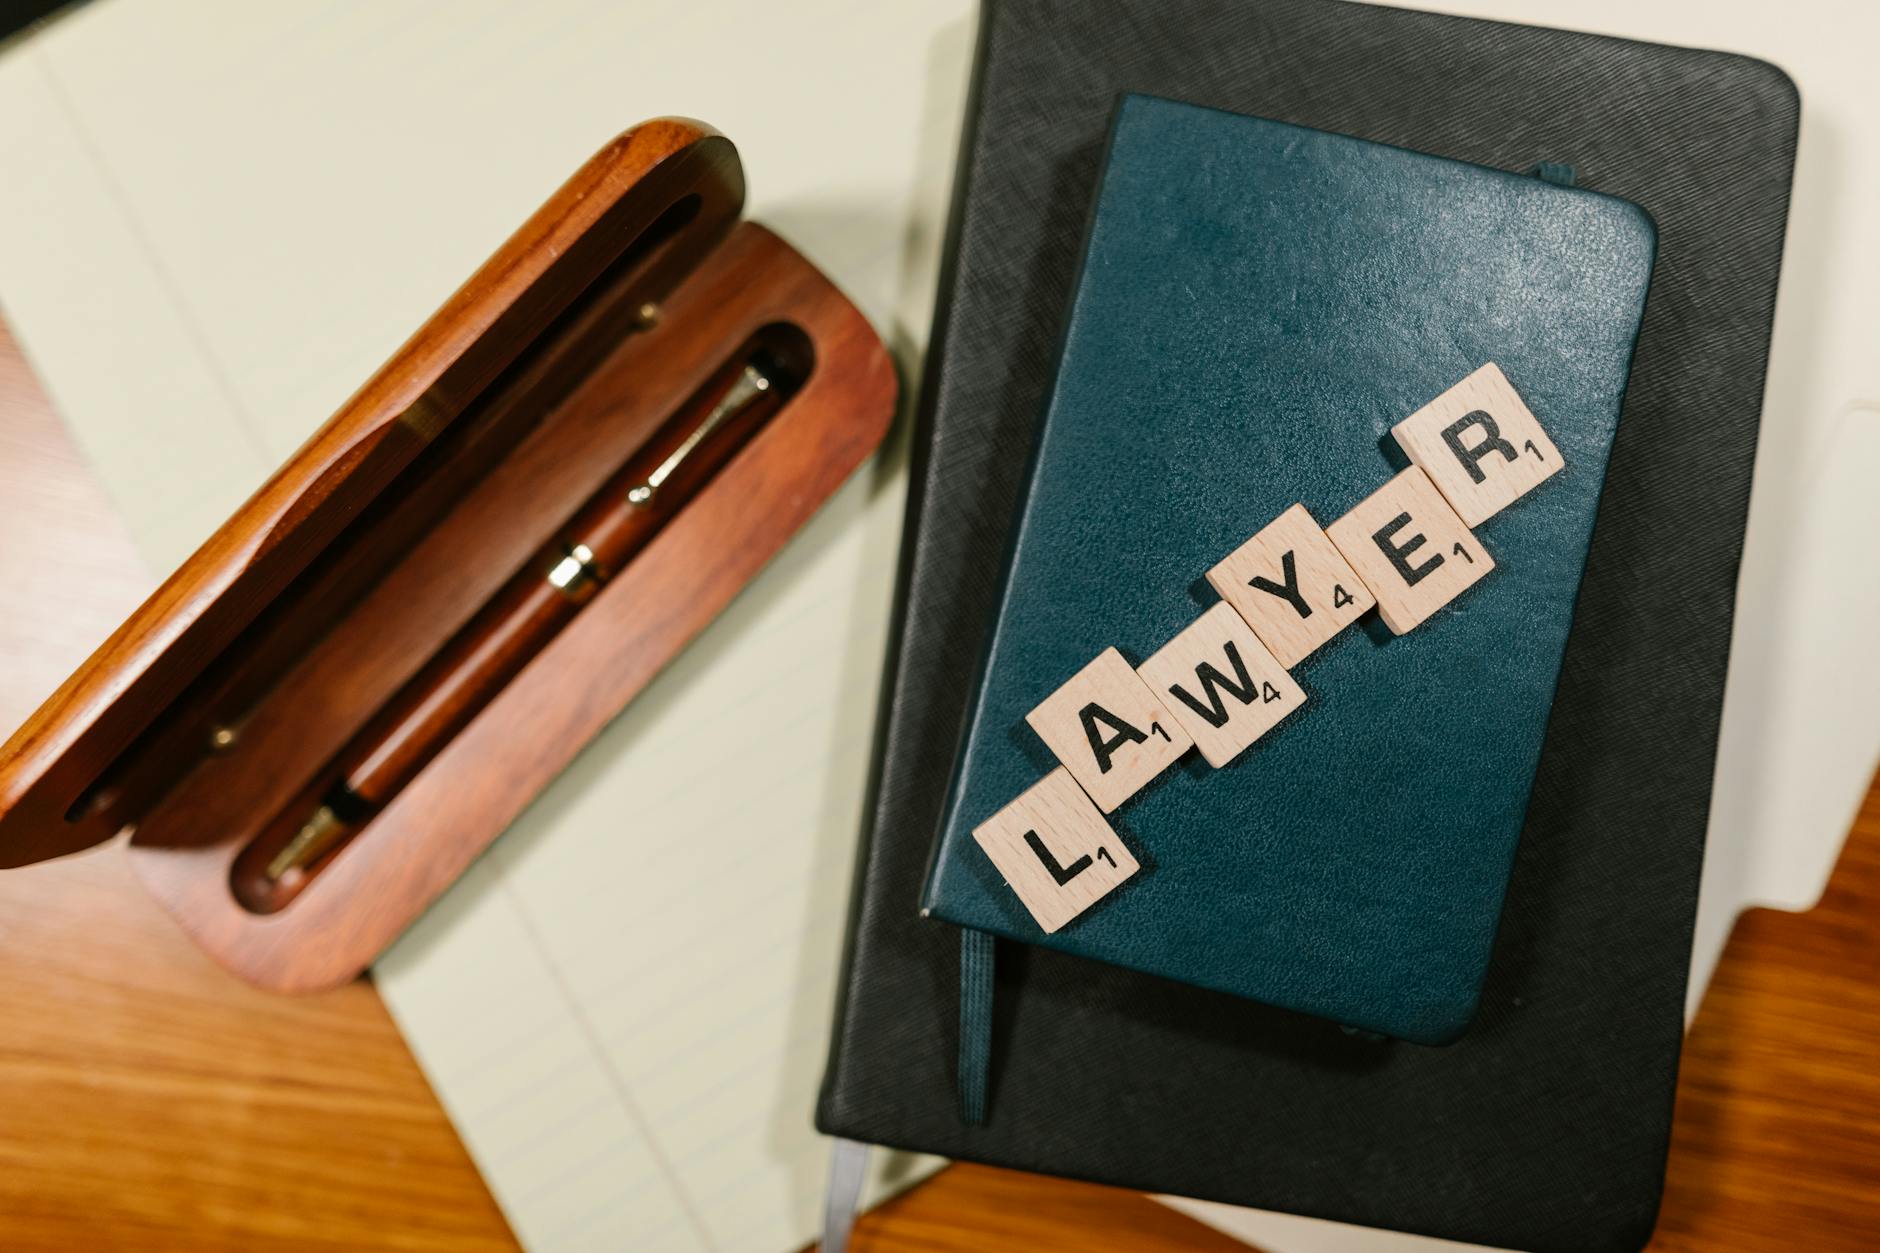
(636,184)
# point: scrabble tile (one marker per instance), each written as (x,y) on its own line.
(1055,850)
(1109,730)
(1292,586)
(1410,549)
(1221,684)
(1481,446)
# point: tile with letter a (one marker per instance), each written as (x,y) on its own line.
(1480,444)
(1055,850)
(1109,730)
(1292,586)
(1410,549)
(1221,684)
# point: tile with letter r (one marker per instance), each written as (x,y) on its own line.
(1109,730)
(1292,586)
(1055,850)
(1221,684)
(1480,444)
(1410,549)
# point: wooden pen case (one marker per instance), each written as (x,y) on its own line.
(228,692)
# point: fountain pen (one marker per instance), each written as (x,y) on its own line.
(601,537)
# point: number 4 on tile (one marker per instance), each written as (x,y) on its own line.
(1291,585)
(1221,684)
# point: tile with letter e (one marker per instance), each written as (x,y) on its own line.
(1221,684)
(1109,730)
(1055,850)
(1480,444)
(1292,586)
(1410,549)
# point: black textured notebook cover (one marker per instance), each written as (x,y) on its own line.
(1545,1127)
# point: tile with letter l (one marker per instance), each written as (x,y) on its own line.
(1480,444)
(1221,684)
(1109,730)
(1410,549)
(1292,586)
(1055,850)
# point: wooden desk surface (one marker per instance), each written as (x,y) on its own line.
(147,1100)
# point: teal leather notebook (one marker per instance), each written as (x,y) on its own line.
(1258,305)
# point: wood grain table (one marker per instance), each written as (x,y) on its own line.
(149,1101)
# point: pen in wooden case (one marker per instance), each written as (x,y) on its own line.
(601,537)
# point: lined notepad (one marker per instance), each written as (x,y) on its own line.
(625,1005)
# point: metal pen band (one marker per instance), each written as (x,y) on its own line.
(575,574)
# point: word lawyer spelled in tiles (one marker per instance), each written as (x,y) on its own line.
(1223,681)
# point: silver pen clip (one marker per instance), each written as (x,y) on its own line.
(750,385)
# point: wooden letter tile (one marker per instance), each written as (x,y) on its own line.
(1109,730)
(1410,548)
(1055,850)
(1292,586)
(1481,446)
(1221,684)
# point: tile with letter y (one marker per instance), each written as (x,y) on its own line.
(1292,586)
(1055,850)
(1109,730)
(1480,444)
(1221,684)
(1410,549)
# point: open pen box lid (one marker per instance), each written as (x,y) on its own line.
(597,318)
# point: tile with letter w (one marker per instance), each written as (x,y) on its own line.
(1221,684)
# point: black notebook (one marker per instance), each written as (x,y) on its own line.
(1545,1127)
